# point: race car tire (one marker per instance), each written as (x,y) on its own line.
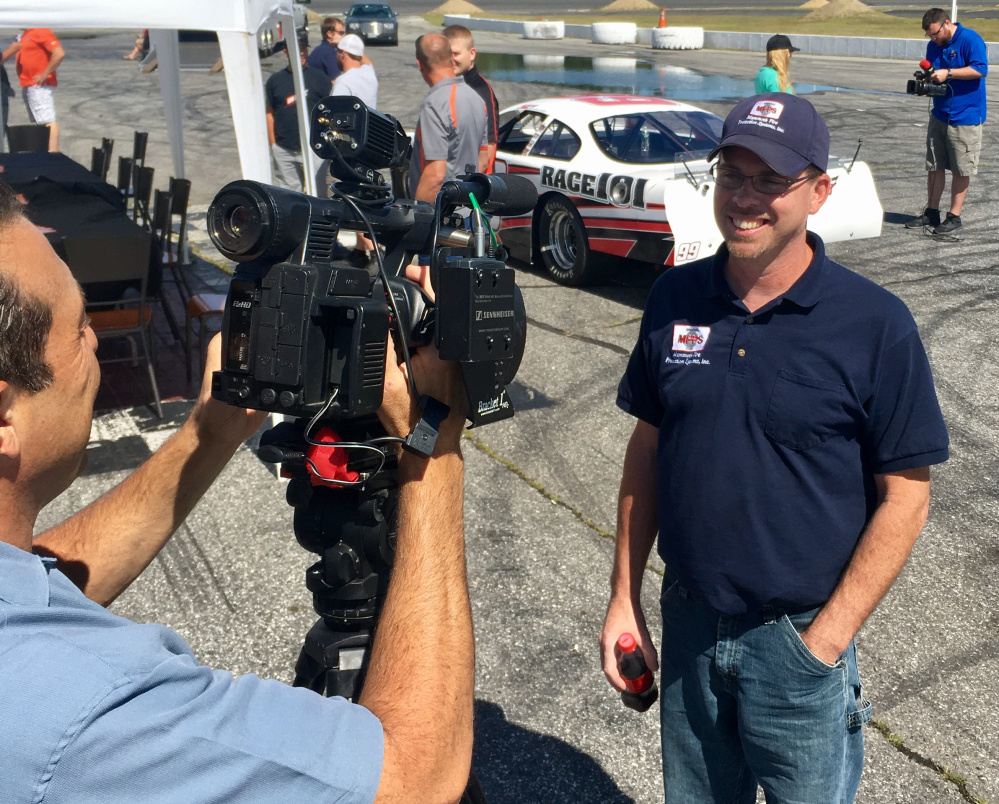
(544,29)
(613,33)
(680,38)
(563,250)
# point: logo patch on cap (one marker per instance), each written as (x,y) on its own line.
(769,109)
(687,338)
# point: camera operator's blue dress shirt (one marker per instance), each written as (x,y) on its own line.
(96,708)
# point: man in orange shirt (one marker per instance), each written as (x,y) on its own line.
(38,54)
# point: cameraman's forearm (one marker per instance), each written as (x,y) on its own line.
(963,73)
(104,547)
(421,678)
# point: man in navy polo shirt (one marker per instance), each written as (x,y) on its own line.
(786,423)
(954,135)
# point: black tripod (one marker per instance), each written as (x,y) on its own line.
(353,530)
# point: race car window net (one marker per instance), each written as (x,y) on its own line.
(558,141)
(516,133)
(657,137)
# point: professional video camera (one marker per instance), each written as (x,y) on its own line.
(920,83)
(305,334)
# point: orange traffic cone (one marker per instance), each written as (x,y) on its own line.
(662,17)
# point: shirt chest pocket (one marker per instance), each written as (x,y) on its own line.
(805,412)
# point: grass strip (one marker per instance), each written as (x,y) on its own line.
(898,742)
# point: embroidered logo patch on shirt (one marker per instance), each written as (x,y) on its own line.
(687,338)
(289,101)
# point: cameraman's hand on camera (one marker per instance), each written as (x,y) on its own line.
(214,421)
(434,377)
(940,76)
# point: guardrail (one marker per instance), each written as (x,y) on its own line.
(856,46)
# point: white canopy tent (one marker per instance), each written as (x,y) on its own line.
(235,21)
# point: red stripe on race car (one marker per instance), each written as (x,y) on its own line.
(514,223)
(520,169)
(619,248)
(638,226)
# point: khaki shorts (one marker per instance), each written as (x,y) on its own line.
(38,100)
(953,148)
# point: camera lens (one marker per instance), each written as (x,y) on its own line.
(236,221)
(251,221)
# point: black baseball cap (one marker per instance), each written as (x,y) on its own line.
(783,130)
(781,42)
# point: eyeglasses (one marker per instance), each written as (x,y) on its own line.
(765,183)
(340,31)
(931,34)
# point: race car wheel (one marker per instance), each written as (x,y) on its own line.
(562,246)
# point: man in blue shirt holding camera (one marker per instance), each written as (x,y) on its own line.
(959,59)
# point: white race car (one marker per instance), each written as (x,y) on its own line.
(624,176)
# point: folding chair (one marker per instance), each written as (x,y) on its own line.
(99,162)
(124,177)
(139,147)
(143,189)
(180,189)
(27,138)
(162,207)
(205,309)
(107,145)
(96,260)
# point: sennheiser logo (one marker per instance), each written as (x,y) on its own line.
(487,314)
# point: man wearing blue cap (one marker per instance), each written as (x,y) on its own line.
(786,423)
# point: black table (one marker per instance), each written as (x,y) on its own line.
(66,201)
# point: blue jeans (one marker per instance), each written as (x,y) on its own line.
(744,702)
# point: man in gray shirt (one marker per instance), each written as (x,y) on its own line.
(452,124)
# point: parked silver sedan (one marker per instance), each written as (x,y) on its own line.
(373,22)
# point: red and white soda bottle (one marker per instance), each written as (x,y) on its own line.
(640,687)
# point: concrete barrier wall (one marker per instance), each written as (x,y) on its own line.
(865,47)
(861,47)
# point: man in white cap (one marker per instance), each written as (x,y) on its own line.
(357,75)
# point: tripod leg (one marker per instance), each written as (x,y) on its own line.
(309,673)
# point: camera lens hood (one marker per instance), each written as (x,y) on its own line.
(249,221)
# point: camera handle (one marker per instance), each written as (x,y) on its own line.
(353,530)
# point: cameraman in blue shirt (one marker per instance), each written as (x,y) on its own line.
(98,708)
(959,59)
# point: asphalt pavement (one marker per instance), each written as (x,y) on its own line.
(541,488)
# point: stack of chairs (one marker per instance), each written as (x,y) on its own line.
(202,311)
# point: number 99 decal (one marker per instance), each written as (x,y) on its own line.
(686,252)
